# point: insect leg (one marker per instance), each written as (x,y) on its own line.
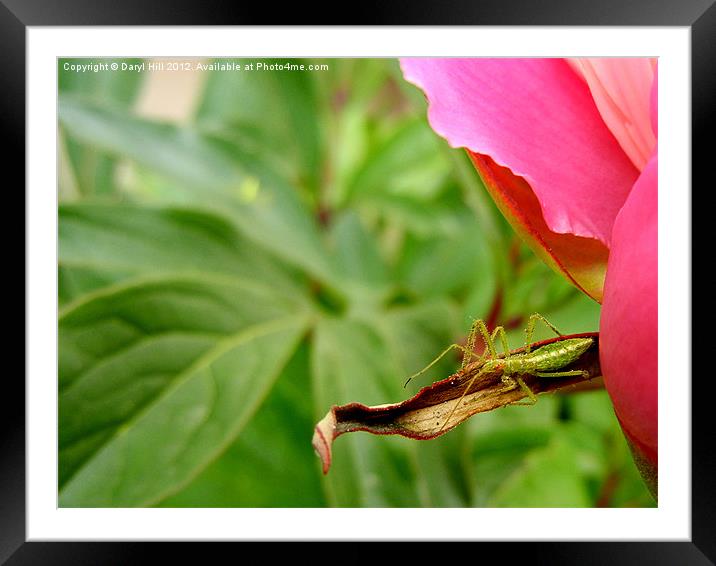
(466,355)
(500,331)
(507,378)
(489,340)
(531,327)
(568,373)
(526,389)
(457,403)
(479,326)
(470,346)
(530,393)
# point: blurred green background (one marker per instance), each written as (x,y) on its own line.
(240,250)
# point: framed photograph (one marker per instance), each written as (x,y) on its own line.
(359,283)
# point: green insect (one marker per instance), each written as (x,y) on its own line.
(546,361)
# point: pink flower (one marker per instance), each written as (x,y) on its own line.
(567,149)
(628,325)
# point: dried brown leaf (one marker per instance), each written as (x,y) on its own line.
(422,416)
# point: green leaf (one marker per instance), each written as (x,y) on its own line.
(441,473)
(205,173)
(440,266)
(593,409)
(500,442)
(121,348)
(496,455)
(357,253)
(73,282)
(591,454)
(365,110)
(424,219)
(481,295)
(630,489)
(92,171)
(101,83)
(261,111)
(163,447)
(364,273)
(619,484)
(547,478)
(178,153)
(350,127)
(271,463)
(350,363)
(409,164)
(356,82)
(136,240)
(416,334)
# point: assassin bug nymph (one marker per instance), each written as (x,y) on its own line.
(546,361)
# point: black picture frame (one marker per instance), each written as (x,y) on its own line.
(698,15)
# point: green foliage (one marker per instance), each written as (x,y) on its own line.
(301,240)
(91,169)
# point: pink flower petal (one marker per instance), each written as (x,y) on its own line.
(628,326)
(537,118)
(654,104)
(621,88)
(582,261)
